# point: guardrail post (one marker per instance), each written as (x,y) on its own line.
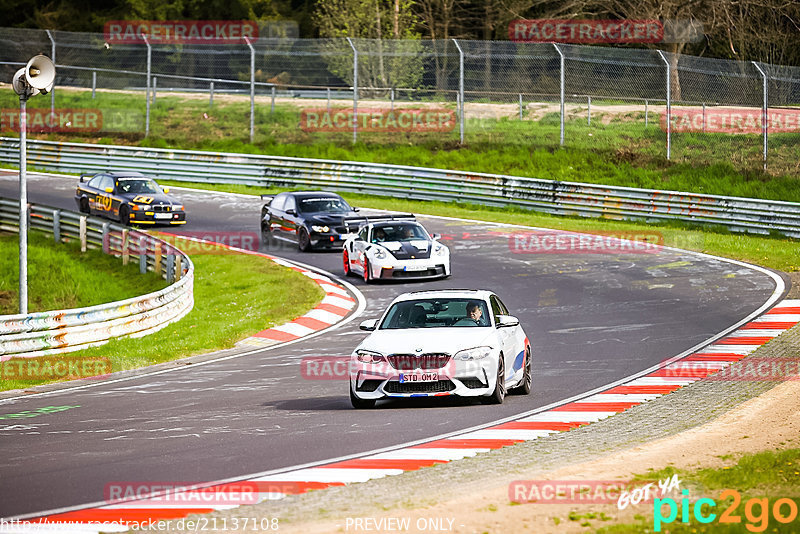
(764,111)
(142,255)
(53,59)
(460,103)
(211,94)
(105,239)
(355,89)
(170,274)
(126,253)
(147,88)
(561,94)
(669,105)
(178,267)
(252,88)
(82,232)
(94,82)
(57,226)
(157,258)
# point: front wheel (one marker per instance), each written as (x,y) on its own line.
(124,215)
(84,205)
(360,404)
(346,263)
(367,272)
(303,241)
(524,387)
(499,393)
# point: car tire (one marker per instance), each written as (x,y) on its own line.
(266,236)
(124,215)
(84,205)
(361,404)
(303,241)
(524,388)
(499,394)
(346,263)
(367,272)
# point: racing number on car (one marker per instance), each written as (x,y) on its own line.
(141,199)
(102,202)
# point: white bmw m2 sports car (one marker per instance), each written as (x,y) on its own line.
(395,249)
(444,342)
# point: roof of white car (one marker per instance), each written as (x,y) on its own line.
(445,293)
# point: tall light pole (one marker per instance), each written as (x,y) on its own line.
(36,77)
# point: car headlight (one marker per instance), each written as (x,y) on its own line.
(379,253)
(369,356)
(476,353)
(177,207)
(439,250)
(320,228)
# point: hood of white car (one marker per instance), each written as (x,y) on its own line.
(449,340)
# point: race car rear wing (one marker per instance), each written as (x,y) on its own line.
(267,198)
(354,224)
(85,174)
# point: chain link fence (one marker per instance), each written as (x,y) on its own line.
(640,104)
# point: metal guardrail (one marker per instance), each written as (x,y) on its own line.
(52,332)
(417,183)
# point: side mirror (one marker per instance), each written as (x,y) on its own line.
(436,237)
(369,325)
(166,190)
(355,208)
(291,212)
(109,189)
(506,320)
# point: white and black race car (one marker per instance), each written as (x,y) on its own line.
(397,249)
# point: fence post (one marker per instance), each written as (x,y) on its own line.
(645,113)
(355,89)
(94,82)
(82,232)
(272,106)
(460,89)
(57,226)
(520,106)
(155,87)
(669,105)
(588,110)
(170,274)
(53,59)
(392,98)
(126,253)
(147,89)
(157,258)
(178,267)
(252,87)
(328,92)
(764,111)
(561,96)
(210,94)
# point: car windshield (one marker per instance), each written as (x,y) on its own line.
(398,232)
(323,205)
(436,313)
(137,185)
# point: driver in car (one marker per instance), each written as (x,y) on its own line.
(473,318)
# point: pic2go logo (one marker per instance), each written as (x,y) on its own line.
(756,511)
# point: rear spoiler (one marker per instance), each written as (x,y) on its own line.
(85,174)
(267,198)
(355,223)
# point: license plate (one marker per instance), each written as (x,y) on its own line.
(416,268)
(418,377)
(345,237)
(162,215)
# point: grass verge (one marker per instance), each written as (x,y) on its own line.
(760,480)
(775,252)
(61,277)
(615,149)
(235,295)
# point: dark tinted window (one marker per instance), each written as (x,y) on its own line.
(434,313)
(323,205)
(278,202)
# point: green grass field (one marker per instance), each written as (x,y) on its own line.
(614,150)
(235,295)
(60,277)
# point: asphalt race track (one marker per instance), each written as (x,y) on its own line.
(592,319)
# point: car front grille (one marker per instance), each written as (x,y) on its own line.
(409,362)
(161,208)
(472,383)
(440,386)
(369,385)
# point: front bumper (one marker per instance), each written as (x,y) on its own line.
(462,378)
(328,240)
(149,217)
(392,269)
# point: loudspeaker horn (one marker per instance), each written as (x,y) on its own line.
(40,73)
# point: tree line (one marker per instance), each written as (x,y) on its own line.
(757,30)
